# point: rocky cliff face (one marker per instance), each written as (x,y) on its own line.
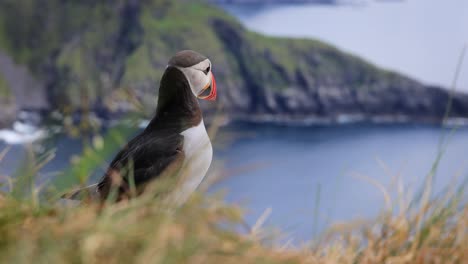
(300,78)
(7,104)
(83,52)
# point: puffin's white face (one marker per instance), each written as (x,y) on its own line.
(201,79)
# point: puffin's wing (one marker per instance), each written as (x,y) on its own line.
(148,156)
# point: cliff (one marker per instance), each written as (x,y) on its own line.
(8,107)
(82,52)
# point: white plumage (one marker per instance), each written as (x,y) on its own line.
(198,153)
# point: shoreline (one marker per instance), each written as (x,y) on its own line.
(30,125)
(344,119)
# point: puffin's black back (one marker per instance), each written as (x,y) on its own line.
(160,144)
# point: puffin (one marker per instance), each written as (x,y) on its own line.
(174,145)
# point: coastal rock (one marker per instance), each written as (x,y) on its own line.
(8,107)
(8,112)
(18,90)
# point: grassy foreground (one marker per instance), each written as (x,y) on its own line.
(422,228)
(147,230)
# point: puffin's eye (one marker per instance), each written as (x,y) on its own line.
(207,70)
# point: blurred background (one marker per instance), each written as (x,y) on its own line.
(319,101)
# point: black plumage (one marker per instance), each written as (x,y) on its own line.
(160,146)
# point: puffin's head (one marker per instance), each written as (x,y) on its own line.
(197,70)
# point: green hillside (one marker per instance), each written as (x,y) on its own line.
(86,50)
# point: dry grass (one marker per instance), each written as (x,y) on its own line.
(140,231)
(148,230)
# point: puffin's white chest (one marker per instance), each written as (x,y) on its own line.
(198,154)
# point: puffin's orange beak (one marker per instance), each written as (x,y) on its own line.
(212,87)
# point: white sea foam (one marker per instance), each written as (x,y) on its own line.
(21,133)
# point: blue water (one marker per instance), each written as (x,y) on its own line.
(420,38)
(305,174)
(298,171)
